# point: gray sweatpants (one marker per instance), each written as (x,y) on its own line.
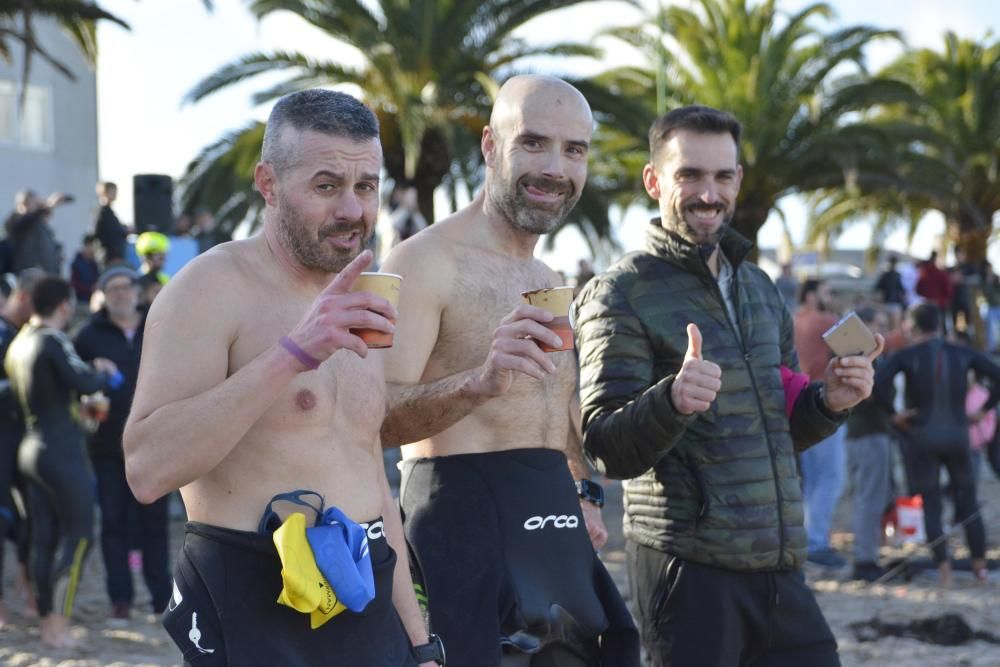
(869,465)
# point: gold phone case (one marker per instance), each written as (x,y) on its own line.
(850,337)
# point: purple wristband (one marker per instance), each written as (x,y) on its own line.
(300,354)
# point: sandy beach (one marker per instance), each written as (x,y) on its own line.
(143,642)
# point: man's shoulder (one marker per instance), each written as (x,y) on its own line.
(240,259)
(621,278)
(217,280)
(428,255)
(636,265)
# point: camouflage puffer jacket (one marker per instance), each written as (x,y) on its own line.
(719,487)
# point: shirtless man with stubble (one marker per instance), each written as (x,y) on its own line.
(503,546)
(230,409)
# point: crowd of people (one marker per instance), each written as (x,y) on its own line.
(70,352)
(956,391)
(734,423)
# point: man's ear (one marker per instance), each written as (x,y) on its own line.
(265,179)
(488,144)
(651,180)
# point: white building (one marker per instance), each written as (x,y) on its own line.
(51,144)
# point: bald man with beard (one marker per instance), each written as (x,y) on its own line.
(502,538)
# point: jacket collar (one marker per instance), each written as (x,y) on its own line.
(103,319)
(687,255)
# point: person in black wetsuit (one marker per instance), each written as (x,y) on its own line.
(934,429)
(46,376)
(16,312)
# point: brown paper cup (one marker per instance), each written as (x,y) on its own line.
(385,285)
(557,301)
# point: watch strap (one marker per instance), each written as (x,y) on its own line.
(432,651)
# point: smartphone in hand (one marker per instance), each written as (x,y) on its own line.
(850,337)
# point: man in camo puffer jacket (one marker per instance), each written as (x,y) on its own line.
(681,347)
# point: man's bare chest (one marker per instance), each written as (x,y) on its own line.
(345,384)
(483,293)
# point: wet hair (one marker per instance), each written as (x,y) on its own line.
(703,120)
(926,318)
(317,110)
(50,293)
(808,287)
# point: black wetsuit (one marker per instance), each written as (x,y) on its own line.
(500,548)
(224,608)
(46,376)
(11,431)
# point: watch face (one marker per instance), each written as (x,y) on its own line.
(591,491)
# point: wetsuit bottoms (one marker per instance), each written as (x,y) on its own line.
(224,609)
(500,548)
(61,501)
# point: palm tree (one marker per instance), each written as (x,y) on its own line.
(429,71)
(77,17)
(943,148)
(791,85)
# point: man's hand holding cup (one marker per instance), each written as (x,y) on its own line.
(336,316)
(515,348)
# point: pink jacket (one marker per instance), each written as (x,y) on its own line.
(794,383)
(982,432)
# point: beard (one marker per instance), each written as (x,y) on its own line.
(509,199)
(677,223)
(312,252)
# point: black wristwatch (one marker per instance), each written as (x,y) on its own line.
(433,650)
(590,491)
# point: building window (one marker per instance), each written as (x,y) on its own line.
(30,126)
(8,131)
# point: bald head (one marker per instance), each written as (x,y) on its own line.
(536,148)
(533,95)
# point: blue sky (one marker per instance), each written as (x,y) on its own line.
(144,73)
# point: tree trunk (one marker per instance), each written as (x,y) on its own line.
(972,240)
(748,220)
(432,167)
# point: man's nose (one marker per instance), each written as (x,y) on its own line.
(709,192)
(554,166)
(349,207)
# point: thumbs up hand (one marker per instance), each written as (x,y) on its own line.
(695,386)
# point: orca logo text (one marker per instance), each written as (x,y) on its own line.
(561,521)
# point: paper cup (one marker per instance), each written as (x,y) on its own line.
(557,301)
(385,285)
(96,406)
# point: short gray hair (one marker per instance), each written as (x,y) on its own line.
(324,111)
